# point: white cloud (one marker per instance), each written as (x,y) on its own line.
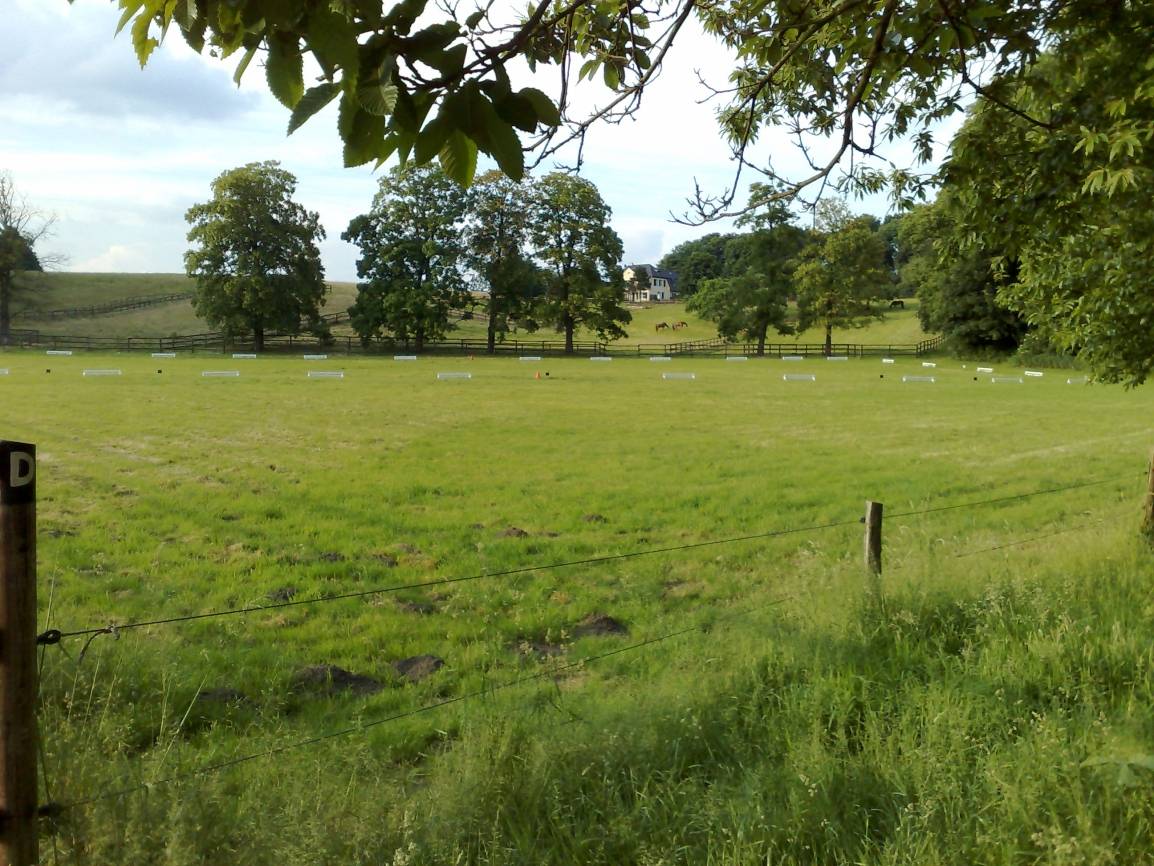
(117,258)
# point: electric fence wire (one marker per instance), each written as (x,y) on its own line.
(1021,541)
(54,636)
(488,689)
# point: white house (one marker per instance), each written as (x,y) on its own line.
(662,284)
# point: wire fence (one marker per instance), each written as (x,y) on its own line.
(551,671)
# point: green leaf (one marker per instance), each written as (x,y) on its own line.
(458,158)
(447,62)
(242,67)
(505,146)
(546,111)
(377,98)
(365,139)
(284,71)
(131,7)
(588,69)
(473,20)
(518,111)
(314,99)
(612,76)
(141,41)
(334,41)
(432,138)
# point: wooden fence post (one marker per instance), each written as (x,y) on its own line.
(19,841)
(1148,509)
(873,537)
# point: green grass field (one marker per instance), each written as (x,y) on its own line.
(994,706)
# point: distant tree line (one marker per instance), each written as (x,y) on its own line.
(539,252)
(782,277)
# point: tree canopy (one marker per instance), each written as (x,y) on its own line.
(427,82)
(572,238)
(841,277)
(254,255)
(496,238)
(411,251)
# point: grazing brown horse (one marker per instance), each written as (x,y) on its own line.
(661,326)
(677,325)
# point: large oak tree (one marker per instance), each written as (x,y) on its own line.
(411,266)
(254,256)
(572,238)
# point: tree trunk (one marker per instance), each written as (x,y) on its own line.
(568,334)
(418,341)
(257,337)
(828,339)
(5,313)
(761,339)
(491,345)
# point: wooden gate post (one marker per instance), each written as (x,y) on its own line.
(873,537)
(19,841)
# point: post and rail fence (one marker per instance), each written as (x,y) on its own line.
(120,305)
(350,345)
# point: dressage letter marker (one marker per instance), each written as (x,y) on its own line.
(660,358)
(230,374)
(404,357)
(315,357)
(799,377)
(530,358)
(164,354)
(928,364)
(736,358)
(887,360)
(985,369)
(929,379)
(678,376)
(443,376)
(102,373)
(243,356)
(600,358)
(326,374)
(837,357)
(792,358)
(1006,380)
(65,352)
(1034,373)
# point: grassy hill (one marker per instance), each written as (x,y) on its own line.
(58,291)
(54,291)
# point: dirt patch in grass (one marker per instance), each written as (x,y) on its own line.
(597,624)
(328,680)
(416,668)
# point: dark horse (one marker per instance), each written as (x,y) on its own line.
(661,326)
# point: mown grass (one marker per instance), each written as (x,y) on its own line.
(990,708)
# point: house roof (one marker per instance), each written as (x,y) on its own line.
(663,273)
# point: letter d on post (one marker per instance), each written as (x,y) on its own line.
(19,844)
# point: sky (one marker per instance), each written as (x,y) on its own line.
(118,154)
